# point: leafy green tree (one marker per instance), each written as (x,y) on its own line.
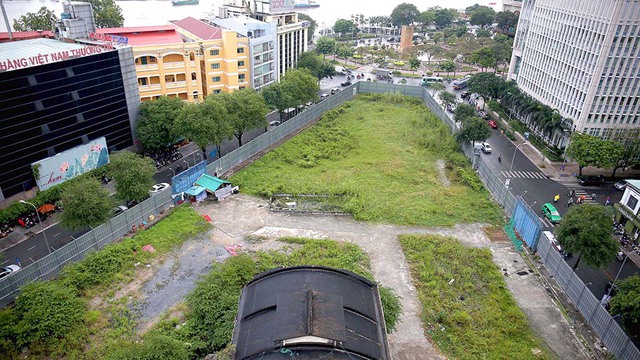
(469,10)
(486,84)
(502,51)
(474,129)
(483,16)
(448,99)
(448,66)
(507,21)
(427,18)
(483,33)
(325,45)
(155,123)
(318,67)
(404,14)
(86,203)
(44,19)
(246,110)
(204,123)
(589,150)
(443,18)
(47,312)
(483,57)
(107,13)
(345,52)
(312,27)
(133,175)
(463,112)
(152,347)
(586,230)
(436,86)
(279,97)
(626,303)
(630,155)
(343,26)
(414,63)
(302,86)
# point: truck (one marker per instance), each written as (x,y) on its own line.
(383,74)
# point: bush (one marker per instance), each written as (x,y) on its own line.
(357,56)
(391,307)
(152,347)
(396,73)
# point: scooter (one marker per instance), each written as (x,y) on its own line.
(620,256)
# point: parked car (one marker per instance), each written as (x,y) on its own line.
(322,97)
(158,188)
(549,211)
(591,180)
(465,95)
(346,83)
(553,240)
(620,185)
(492,124)
(274,123)
(486,148)
(8,270)
(119,210)
(334,90)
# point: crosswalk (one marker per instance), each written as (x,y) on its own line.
(523,174)
(546,222)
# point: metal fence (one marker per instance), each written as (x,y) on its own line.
(51,265)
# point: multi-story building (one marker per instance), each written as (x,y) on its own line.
(262,47)
(292,34)
(513,6)
(628,209)
(189,59)
(582,57)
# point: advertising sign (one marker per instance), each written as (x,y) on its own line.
(71,163)
(280,6)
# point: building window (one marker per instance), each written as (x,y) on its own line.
(215,79)
(241,77)
(240,50)
(240,63)
(217,91)
(632,202)
(215,66)
(214,52)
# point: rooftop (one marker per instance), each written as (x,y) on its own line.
(634,183)
(199,28)
(24,35)
(146,35)
(27,53)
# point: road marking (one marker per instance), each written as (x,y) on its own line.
(524,174)
(31,248)
(4,262)
(56,234)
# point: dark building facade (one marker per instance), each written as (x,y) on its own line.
(53,107)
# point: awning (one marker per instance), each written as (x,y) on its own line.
(211,183)
(195,190)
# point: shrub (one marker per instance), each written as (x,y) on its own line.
(391,307)
(152,347)
(469,178)
(396,73)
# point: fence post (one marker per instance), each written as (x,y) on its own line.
(95,238)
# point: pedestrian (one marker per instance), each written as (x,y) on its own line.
(556,198)
(593,196)
(583,198)
(570,202)
(606,203)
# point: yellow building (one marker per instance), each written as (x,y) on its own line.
(188,60)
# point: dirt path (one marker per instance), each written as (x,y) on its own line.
(241,217)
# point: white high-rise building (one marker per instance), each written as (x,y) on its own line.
(582,57)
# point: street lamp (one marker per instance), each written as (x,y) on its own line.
(174,172)
(200,155)
(514,155)
(42,226)
(186,162)
(618,274)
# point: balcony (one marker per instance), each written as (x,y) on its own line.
(173,85)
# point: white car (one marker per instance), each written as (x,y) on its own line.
(484,147)
(620,185)
(158,188)
(8,270)
(274,123)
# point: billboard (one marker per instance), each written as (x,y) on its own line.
(280,6)
(71,163)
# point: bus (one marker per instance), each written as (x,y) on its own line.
(461,84)
(426,80)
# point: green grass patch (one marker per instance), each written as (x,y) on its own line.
(467,309)
(380,152)
(212,306)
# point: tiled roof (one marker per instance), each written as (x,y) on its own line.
(199,28)
(146,35)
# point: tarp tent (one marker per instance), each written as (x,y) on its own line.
(220,188)
(198,192)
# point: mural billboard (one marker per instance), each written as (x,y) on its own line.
(280,6)
(71,163)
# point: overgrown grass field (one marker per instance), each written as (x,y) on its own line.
(467,309)
(381,151)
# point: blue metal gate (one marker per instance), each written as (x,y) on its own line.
(526,223)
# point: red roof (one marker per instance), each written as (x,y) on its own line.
(199,28)
(146,35)
(25,35)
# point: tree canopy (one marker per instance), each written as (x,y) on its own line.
(463,112)
(626,303)
(302,86)
(448,99)
(343,26)
(133,175)
(44,19)
(507,22)
(589,150)
(86,203)
(320,68)
(107,13)
(404,14)
(586,229)
(443,18)
(155,123)
(474,129)
(486,84)
(245,110)
(482,16)
(325,45)
(278,96)
(483,57)
(204,123)
(345,52)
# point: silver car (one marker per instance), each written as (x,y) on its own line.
(8,270)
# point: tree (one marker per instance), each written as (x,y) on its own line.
(483,57)
(345,52)
(312,26)
(448,99)
(463,112)
(630,155)
(414,64)
(626,302)
(589,150)
(483,16)
(155,123)
(278,96)
(107,13)
(404,14)
(133,175)
(86,203)
(483,33)
(343,26)
(427,18)
(443,18)
(436,86)
(245,110)
(204,123)
(318,67)
(448,66)
(502,50)
(507,22)
(586,230)
(485,84)
(474,129)
(302,86)
(44,19)
(325,46)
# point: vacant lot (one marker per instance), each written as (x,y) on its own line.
(392,159)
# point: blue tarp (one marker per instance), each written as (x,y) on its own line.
(211,183)
(195,190)
(185,179)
